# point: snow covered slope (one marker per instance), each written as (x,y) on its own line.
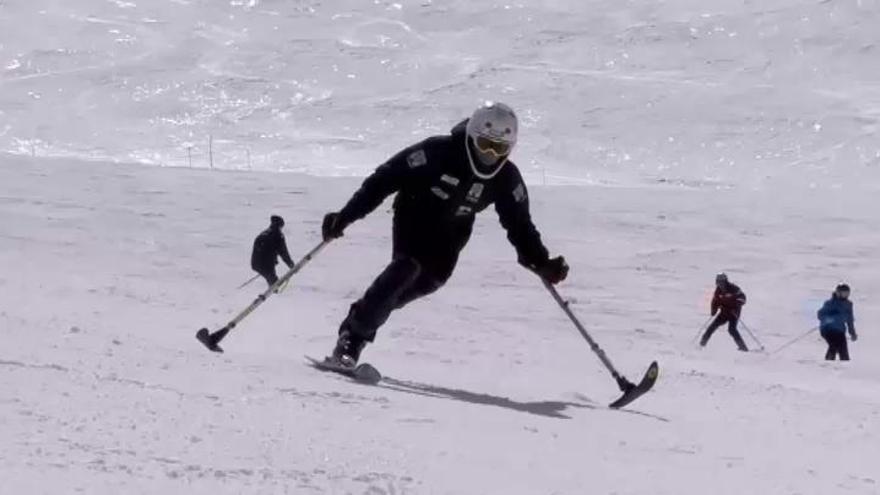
(108,269)
(694,136)
(727,91)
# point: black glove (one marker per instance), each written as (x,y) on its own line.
(554,270)
(853,336)
(332,226)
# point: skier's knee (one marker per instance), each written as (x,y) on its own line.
(409,268)
(420,288)
(430,285)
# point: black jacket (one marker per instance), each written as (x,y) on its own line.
(267,247)
(729,300)
(438,196)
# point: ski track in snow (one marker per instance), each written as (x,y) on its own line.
(109,269)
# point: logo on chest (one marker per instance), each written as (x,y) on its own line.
(464,211)
(476,191)
(416,159)
(452,181)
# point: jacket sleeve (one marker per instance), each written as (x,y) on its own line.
(716,303)
(850,318)
(387,179)
(740,298)
(512,205)
(283,252)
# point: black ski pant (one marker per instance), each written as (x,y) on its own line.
(268,273)
(404,280)
(423,258)
(836,345)
(732,321)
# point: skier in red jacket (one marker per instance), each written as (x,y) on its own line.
(727,303)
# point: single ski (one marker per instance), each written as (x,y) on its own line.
(631,391)
(362,373)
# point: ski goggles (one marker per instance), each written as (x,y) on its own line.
(489,145)
(843,294)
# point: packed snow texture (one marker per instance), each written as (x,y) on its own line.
(721,92)
(693,137)
(109,269)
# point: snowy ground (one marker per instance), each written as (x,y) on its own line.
(721,91)
(693,136)
(109,269)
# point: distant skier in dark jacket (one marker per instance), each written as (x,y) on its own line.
(441,184)
(727,303)
(268,246)
(835,319)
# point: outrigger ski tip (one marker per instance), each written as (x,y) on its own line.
(632,391)
(204,337)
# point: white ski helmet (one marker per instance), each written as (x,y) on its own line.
(491,134)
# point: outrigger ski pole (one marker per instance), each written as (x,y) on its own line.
(630,390)
(211,340)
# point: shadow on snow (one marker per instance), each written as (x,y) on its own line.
(549,409)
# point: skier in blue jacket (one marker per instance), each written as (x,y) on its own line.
(835,319)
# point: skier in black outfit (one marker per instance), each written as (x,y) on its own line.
(727,302)
(441,184)
(268,246)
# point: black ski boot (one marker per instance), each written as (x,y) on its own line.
(348,349)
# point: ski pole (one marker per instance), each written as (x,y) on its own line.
(702,329)
(630,390)
(797,339)
(242,286)
(752,335)
(212,339)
